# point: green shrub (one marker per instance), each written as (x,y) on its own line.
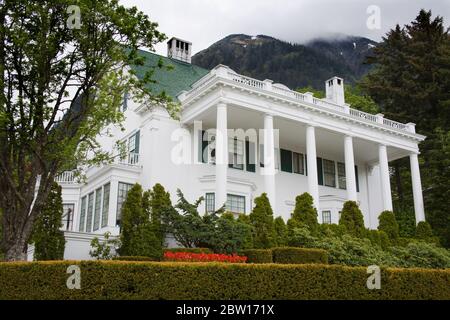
(423,255)
(423,231)
(304,211)
(299,255)
(104,250)
(215,281)
(378,238)
(352,219)
(389,225)
(190,250)
(281,232)
(138,236)
(406,222)
(131,258)
(47,237)
(257,255)
(261,217)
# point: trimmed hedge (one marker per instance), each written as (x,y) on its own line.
(299,255)
(190,250)
(166,280)
(257,255)
(133,258)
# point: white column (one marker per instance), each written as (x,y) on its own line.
(313,184)
(221,155)
(350,178)
(417,188)
(269,159)
(384,177)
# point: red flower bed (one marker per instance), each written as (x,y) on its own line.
(203,257)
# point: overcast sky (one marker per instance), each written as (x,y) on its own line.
(204,22)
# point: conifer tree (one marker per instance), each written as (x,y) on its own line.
(47,237)
(304,212)
(389,225)
(137,235)
(352,219)
(281,232)
(159,202)
(261,217)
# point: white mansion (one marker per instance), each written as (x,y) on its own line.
(320,146)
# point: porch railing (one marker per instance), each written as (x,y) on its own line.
(226,73)
(67,177)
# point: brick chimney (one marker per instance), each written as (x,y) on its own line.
(179,49)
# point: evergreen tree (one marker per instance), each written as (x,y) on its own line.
(389,225)
(305,213)
(159,202)
(281,232)
(411,83)
(47,237)
(261,217)
(137,235)
(424,231)
(352,219)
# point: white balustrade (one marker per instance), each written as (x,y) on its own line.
(226,73)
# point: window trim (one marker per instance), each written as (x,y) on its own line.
(241,197)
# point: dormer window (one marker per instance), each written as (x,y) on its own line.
(339,81)
(179,49)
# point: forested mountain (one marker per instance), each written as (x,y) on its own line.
(295,65)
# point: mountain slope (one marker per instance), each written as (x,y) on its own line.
(294,65)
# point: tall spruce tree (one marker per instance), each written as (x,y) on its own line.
(159,203)
(352,219)
(261,218)
(47,237)
(304,212)
(411,83)
(137,235)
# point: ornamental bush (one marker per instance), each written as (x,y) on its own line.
(133,258)
(305,212)
(423,231)
(281,232)
(299,255)
(47,237)
(261,218)
(389,225)
(138,236)
(119,280)
(258,255)
(352,219)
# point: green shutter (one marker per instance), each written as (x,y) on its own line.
(357,178)
(306,165)
(202,146)
(137,139)
(319,171)
(250,161)
(286,160)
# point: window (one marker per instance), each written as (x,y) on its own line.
(82,214)
(326,217)
(329,173)
(297,163)
(210,202)
(133,143)
(90,209)
(67,219)
(250,156)
(357,178)
(276,154)
(105,208)
(286,160)
(236,153)
(235,203)
(97,208)
(341,176)
(121,196)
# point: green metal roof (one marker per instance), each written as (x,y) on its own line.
(180,77)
